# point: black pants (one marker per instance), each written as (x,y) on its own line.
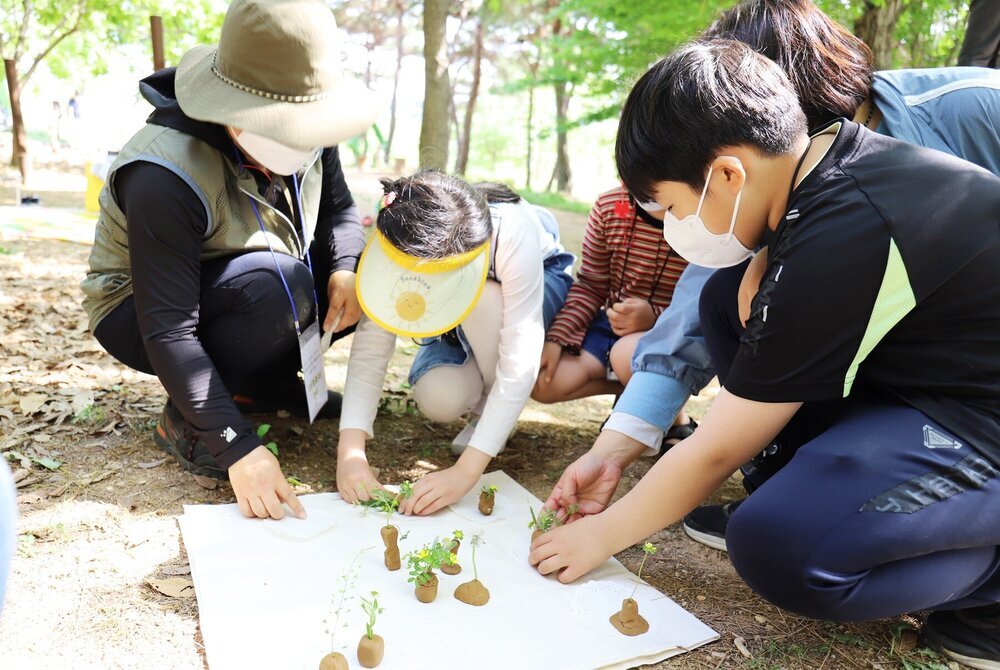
(245,323)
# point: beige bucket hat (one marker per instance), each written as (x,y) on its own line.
(276,72)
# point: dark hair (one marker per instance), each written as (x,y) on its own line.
(699,99)
(496,193)
(829,67)
(434,215)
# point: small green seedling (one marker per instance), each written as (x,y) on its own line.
(386,501)
(341,599)
(271,446)
(647,550)
(431,557)
(372,609)
(456,537)
(477,541)
(490,491)
(545,521)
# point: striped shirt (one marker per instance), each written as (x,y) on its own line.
(623,257)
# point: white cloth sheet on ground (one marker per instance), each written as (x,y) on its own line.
(265,591)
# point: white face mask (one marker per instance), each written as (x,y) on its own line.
(697,244)
(276,157)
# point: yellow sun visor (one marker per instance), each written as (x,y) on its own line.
(416,297)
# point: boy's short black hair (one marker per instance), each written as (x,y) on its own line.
(705,96)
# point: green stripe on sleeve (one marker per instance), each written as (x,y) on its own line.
(894,301)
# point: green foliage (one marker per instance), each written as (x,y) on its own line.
(555,201)
(545,521)
(372,609)
(342,597)
(429,558)
(271,446)
(490,491)
(387,502)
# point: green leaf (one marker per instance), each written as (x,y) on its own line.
(262,430)
(272,447)
(48,463)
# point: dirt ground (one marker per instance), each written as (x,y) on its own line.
(98,503)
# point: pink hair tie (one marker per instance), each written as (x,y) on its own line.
(388,199)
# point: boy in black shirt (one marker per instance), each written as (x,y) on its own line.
(881,300)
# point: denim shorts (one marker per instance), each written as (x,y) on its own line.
(456,351)
(600,338)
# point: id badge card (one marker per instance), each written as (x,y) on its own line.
(313,372)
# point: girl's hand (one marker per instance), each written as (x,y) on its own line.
(571,551)
(437,490)
(355,479)
(631,315)
(551,354)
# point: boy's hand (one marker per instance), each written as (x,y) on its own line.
(551,353)
(260,487)
(571,551)
(751,284)
(437,490)
(631,315)
(589,482)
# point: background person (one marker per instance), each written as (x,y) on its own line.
(226,229)
(473,274)
(625,281)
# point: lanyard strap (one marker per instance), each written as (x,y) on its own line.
(277,266)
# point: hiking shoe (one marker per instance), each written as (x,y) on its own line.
(707,524)
(969,636)
(178,438)
(677,434)
(295,405)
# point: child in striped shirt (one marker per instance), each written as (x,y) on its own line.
(626,280)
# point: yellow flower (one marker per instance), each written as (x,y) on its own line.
(453,558)
(422,554)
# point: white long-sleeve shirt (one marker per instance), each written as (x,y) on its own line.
(518,248)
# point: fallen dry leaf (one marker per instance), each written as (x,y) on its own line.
(152,464)
(174,587)
(32,403)
(206,482)
(741,646)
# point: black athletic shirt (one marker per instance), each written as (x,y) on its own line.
(885,269)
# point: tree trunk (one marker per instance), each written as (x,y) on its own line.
(529,131)
(477,71)
(19,155)
(563,176)
(400,35)
(877,26)
(434,125)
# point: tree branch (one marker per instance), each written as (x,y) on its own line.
(23,33)
(52,45)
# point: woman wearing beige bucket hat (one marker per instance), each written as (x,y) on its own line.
(228,237)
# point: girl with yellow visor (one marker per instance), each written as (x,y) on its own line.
(475,275)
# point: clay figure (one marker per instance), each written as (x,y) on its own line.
(334,661)
(371,648)
(423,563)
(387,502)
(474,592)
(456,542)
(487,498)
(628,621)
